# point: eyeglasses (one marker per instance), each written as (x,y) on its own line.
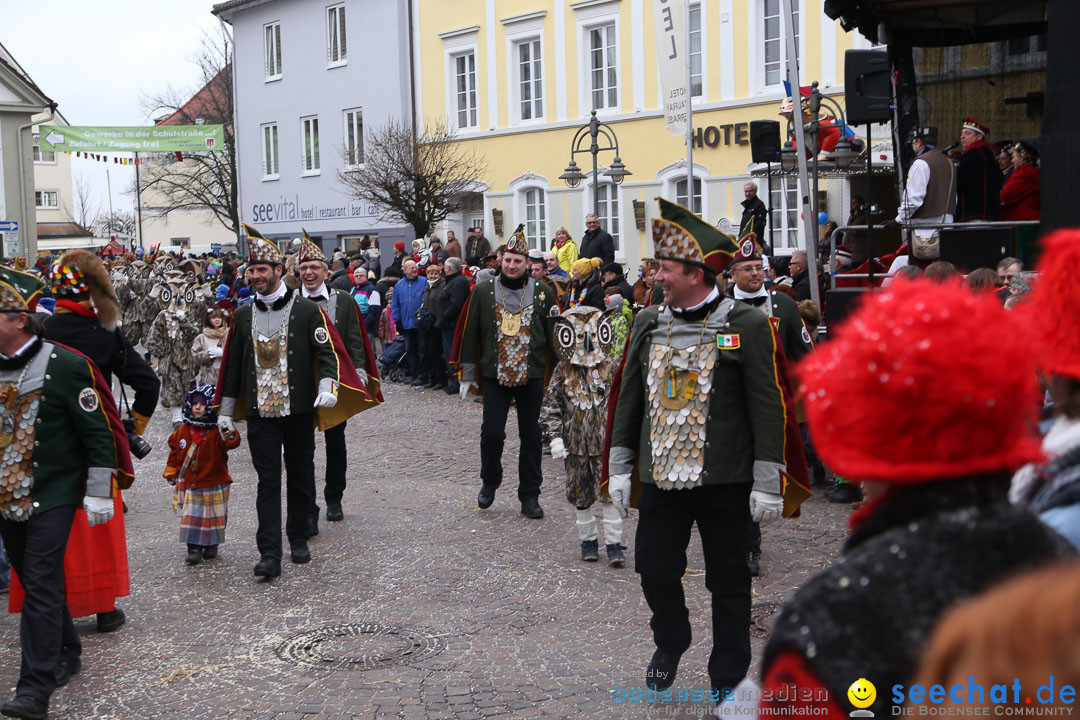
(592,222)
(751,268)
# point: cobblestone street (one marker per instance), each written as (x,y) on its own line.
(418,605)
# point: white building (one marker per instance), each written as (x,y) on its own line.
(308,78)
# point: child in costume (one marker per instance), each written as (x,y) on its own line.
(198,467)
(573,415)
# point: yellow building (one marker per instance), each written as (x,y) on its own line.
(516,78)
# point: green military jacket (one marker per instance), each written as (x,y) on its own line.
(309,342)
(747,414)
(345,314)
(479,339)
(785,317)
(65,433)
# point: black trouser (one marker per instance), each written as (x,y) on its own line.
(266,437)
(336,464)
(527,398)
(413,353)
(433,356)
(36,551)
(666,517)
(447,346)
(753,537)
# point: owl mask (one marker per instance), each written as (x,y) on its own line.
(583,335)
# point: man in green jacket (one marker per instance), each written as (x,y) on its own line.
(701,414)
(505,346)
(54,400)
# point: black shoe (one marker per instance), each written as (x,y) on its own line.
(844,493)
(110,621)
(615,556)
(209,552)
(439,385)
(590,550)
(300,553)
(530,508)
(194,557)
(66,667)
(661,671)
(486,496)
(452,389)
(819,476)
(24,706)
(429,386)
(268,567)
(313,527)
(334,512)
(753,561)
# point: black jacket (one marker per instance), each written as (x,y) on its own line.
(978,185)
(341,281)
(754,208)
(598,244)
(801,285)
(451,300)
(624,287)
(111,352)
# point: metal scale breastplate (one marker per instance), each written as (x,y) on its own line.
(679,384)
(512,365)
(272,365)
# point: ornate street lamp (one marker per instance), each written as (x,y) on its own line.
(594,131)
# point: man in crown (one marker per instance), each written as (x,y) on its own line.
(344,313)
(55,400)
(267,377)
(978,177)
(702,414)
(503,353)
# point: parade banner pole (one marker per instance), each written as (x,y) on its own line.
(810,239)
(689,114)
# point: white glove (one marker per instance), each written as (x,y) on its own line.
(558,449)
(765,506)
(215,352)
(618,487)
(464,387)
(325,400)
(225,424)
(98,510)
(363,375)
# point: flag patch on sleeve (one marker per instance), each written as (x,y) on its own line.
(727,342)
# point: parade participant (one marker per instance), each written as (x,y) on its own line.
(345,315)
(573,415)
(501,350)
(58,396)
(173,333)
(930,193)
(209,346)
(1020,192)
(701,414)
(978,177)
(621,321)
(267,375)
(748,271)
(87,319)
(198,467)
(936,527)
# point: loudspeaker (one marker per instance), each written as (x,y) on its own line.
(969,249)
(867,87)
(765,141)
(839,304)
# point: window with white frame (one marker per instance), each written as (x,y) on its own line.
(272,50)
(602,66)
(46,199)
(271,168)
(335,34)
(783,226)
(775,49)
(530,84)
(354,137)
(607,199)
(535,218)
(680,194)
(464,89)
(309,138)
(39,155)
(697,86)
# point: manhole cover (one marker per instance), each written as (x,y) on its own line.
(360,646)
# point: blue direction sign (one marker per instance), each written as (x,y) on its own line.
(9,226)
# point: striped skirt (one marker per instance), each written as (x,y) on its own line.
(206,512)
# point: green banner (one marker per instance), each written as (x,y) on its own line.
(157,138)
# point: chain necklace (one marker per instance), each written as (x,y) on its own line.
(9,394)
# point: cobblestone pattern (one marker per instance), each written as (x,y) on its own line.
(530,631)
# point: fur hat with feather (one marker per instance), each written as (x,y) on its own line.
(79,273)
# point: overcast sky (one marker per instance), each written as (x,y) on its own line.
(97,60)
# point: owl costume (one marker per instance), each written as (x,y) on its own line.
(573,415)
(172,334)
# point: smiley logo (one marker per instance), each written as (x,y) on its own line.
(862,693)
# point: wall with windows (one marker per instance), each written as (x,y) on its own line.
(311,78)
(517,78)
(52,183)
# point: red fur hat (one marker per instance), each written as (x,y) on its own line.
(1054,310)
(924,382)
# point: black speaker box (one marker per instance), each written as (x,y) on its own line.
(975,247)
(765,141)
(839,304)
(867,87)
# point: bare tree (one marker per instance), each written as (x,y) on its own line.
(120,222)
(418,181)
(204,180)
(85,211)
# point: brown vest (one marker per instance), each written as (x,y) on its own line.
(941,190)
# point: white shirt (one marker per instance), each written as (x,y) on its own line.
(915,195)
(272,297)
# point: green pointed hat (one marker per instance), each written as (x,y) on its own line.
(679,234)
(517,242)
(261,250)
(748,246)
(19,291)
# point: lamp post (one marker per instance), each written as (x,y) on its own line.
(593,132)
